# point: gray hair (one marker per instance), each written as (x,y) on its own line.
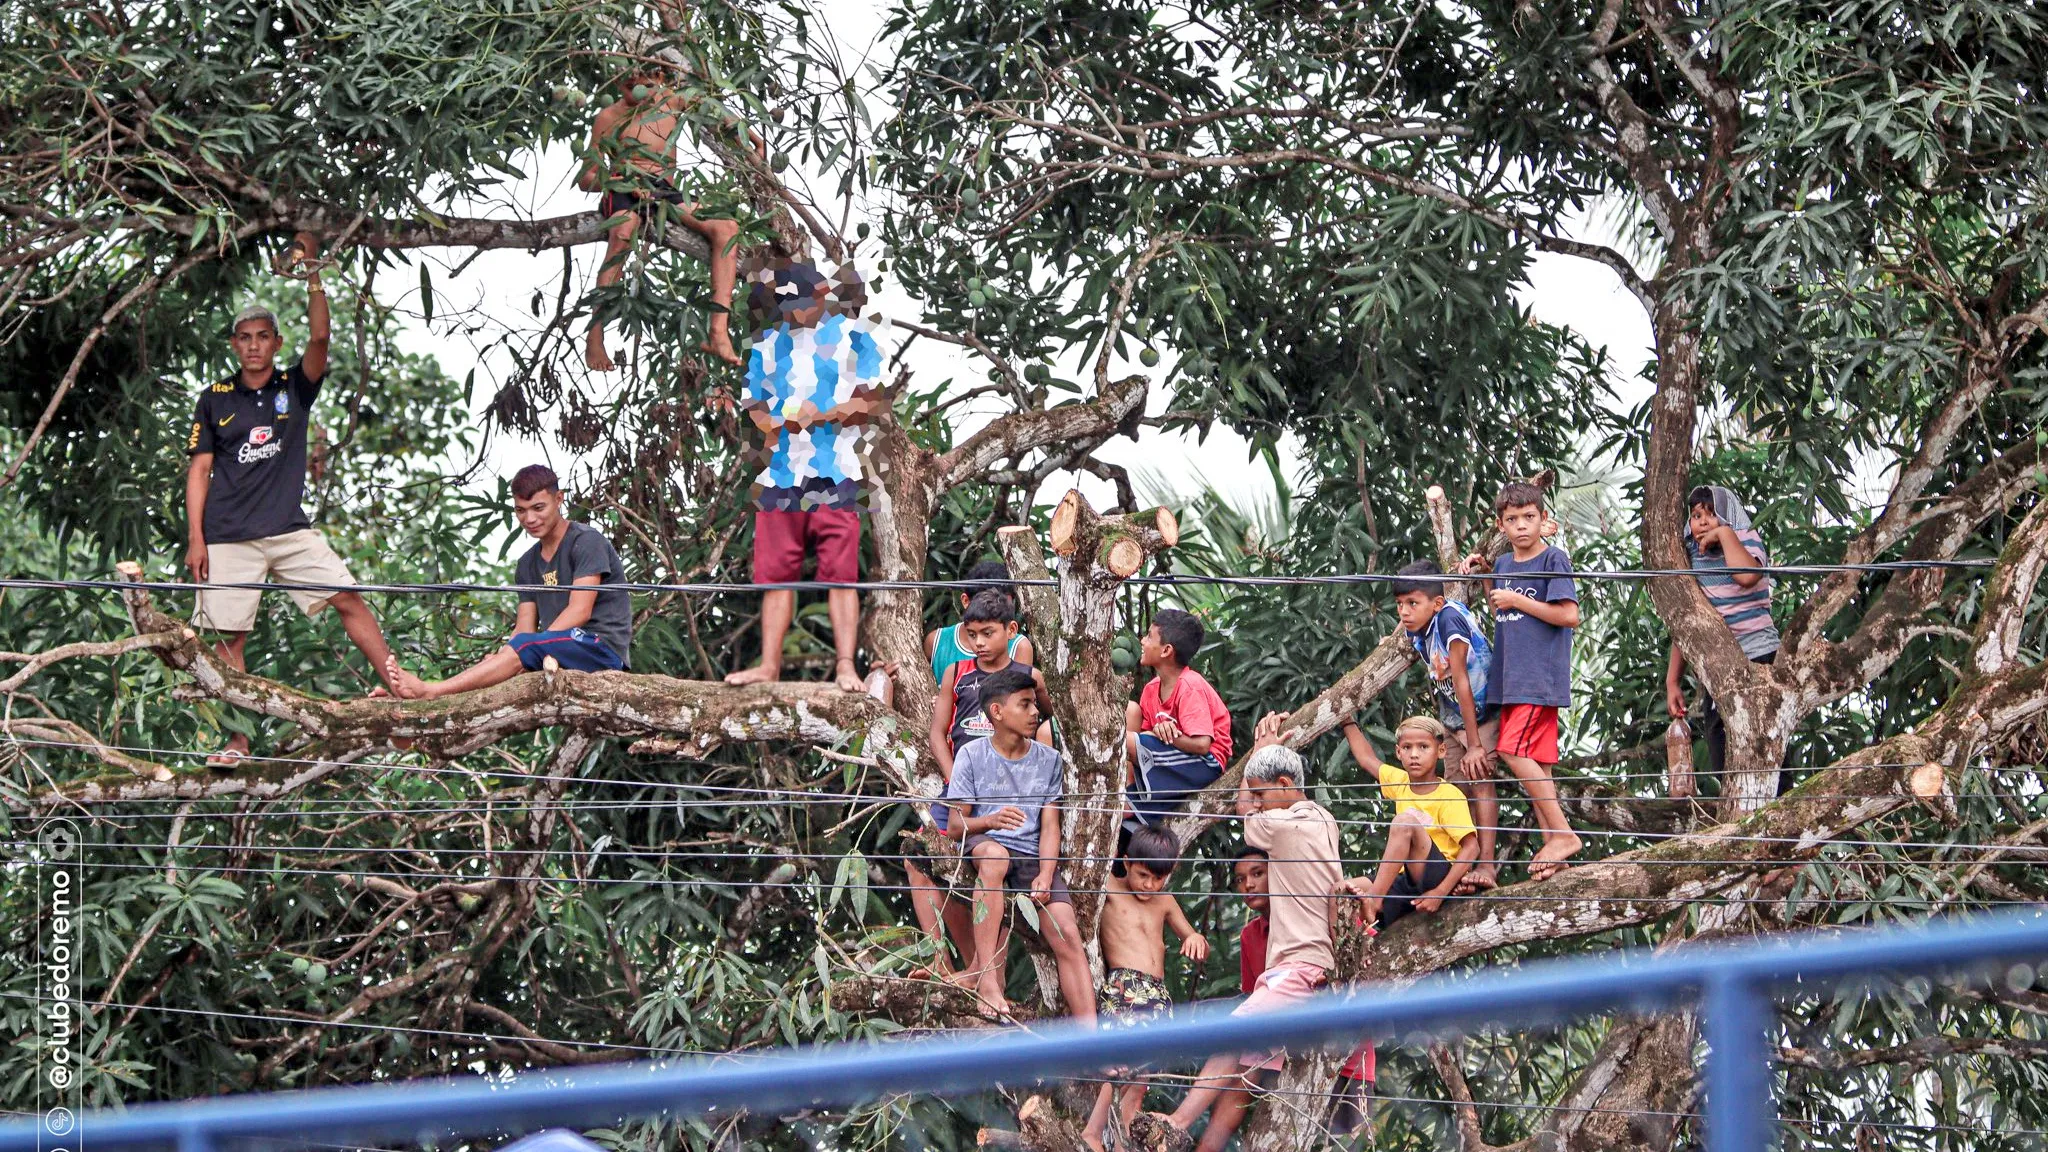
(1272,761)
(254,312)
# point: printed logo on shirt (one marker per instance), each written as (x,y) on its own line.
(224,421)
(1528,590)
(198,426)
(261,445)
(551,578)
(283,404)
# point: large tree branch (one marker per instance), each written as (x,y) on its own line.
(690,718)
(1915,1053)
(1021,433)
(1823,671)
(1649,884)
(1903,510)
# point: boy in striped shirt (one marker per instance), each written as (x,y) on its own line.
(1727,553)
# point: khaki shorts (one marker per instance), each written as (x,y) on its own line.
(301,557)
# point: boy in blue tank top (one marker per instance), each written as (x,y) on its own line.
(946,647)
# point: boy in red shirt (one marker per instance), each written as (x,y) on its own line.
(1249,875)
(1178,733)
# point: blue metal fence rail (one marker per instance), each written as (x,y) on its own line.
(1732,987)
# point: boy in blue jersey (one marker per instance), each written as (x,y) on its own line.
(813,387)
(1459,658)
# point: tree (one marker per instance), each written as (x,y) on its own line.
(1322,216)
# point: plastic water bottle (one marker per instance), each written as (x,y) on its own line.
(1678,777)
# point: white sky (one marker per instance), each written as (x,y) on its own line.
(1575,293)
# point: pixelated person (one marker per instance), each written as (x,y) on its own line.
(813,390)
(245,491)
(633,150)
(564,614)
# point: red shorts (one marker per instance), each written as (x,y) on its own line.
(782,538)
(1529,731)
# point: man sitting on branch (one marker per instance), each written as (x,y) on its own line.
(587,630)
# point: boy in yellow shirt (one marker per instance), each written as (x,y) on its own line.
(1431,842)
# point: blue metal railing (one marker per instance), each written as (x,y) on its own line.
(1732,986)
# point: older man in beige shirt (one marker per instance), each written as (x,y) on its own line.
(1303,869)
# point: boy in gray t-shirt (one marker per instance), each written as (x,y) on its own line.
(1004,798)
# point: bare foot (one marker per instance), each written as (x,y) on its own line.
(230,757)
(405,685)
(1477,880)
(1157,1130)
(849,676)
(720,345)
(1093,1141)
(758,674)
(993,1002)
(1550,859)
(594,355)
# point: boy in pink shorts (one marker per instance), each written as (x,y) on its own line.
(1302,870)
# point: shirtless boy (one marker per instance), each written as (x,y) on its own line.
(633,149)
(1134,956)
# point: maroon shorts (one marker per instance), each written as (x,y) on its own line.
(1529,731)
(782,538)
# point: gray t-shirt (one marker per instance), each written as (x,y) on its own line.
(584,552)
(992,782)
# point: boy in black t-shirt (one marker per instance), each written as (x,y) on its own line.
(587,631)
(244,488)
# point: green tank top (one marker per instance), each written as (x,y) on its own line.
(947,651)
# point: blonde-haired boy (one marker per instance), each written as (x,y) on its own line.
(1431,841)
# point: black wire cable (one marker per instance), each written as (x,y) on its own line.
(750,885)
(640,853)
(1168,580)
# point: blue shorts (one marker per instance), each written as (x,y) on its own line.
(574,649)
